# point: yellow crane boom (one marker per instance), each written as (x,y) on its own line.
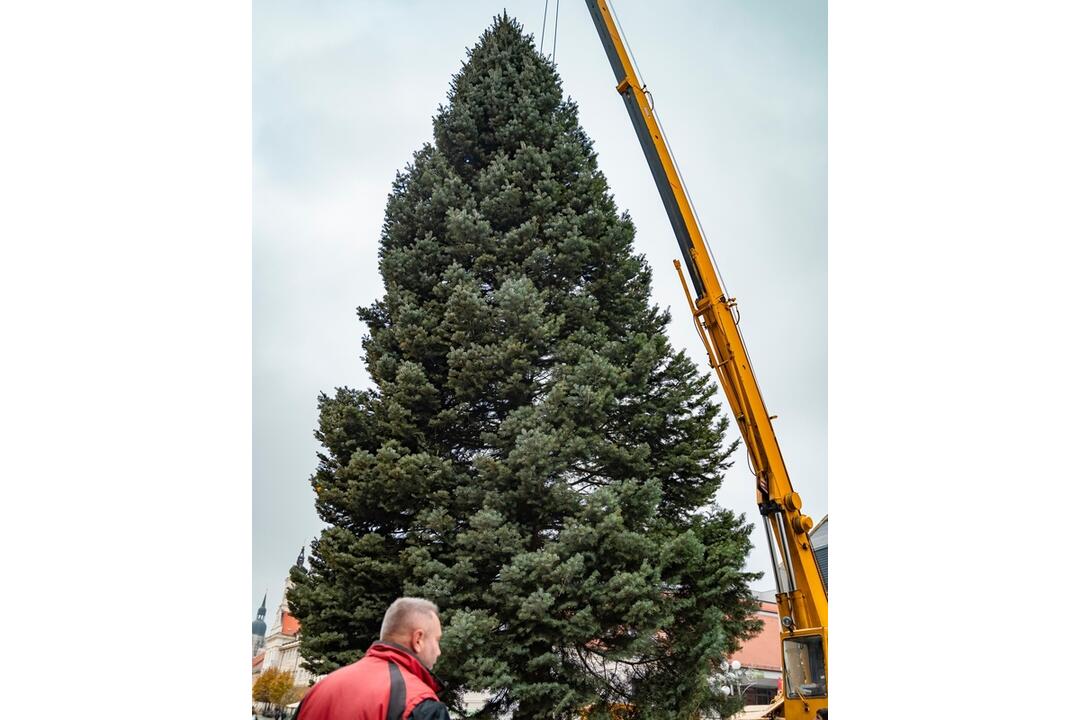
(801,594)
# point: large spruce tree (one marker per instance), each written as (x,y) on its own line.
(533,455)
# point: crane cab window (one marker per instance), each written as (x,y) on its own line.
(804,667)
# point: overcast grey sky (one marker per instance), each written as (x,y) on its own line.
(343,95)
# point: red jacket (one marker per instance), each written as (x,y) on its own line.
(385,684)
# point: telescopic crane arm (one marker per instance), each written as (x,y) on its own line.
(801,594)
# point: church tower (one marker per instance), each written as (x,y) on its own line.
(258,629)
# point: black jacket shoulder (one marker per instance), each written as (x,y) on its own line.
(429,710)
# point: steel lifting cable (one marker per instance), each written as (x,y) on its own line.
(678,170)
(555,38)
(544,29)
(689,199)
(633,60)
(736,316)
(686,192)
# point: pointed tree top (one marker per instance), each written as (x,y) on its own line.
(506,94)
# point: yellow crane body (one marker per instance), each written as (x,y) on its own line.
(801,594)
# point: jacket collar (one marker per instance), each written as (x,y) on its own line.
(391,651)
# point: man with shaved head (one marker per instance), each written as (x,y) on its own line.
(393,681)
